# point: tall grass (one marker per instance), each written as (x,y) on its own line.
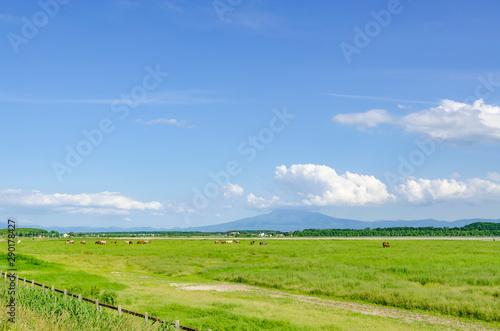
(70,314)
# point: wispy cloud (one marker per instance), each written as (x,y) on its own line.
(169,121)
(369,97)
(8,18)
(369,119)
(172,6)
(182,97)
(494,176)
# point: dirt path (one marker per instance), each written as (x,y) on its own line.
(405,316)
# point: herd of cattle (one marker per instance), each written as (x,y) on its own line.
(103,242)
(237,242)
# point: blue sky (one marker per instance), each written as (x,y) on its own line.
(177,113)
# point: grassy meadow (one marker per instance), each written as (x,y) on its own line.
(457,280)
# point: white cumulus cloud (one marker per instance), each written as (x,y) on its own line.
(103,203)
(451,121)
(231,190)
(425,191)
(457,122)
(310,185)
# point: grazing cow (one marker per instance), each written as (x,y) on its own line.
(229,241)
(83,242)
(236,241)
(217,241)
(384,244)
(252,242)
(140,242)
(263,243)
(70,242)
(128,242)
(147,242)
(113,242)
(101,242)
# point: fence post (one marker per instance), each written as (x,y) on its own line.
(177,325)
(17,280)
(65,294)
(5,278)
(97,306)
(52,288)
(146,318)
(43,287)
(119,310)
(79,297)
(32,284)
(24,281)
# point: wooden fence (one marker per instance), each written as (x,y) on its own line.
(98,304)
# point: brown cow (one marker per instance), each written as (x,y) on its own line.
(252,242)
(140,242)
(83,242)
(384,244)
(236,241)
(101,242)
(263,243)
(113,242)
(217,241)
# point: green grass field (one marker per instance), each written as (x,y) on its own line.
(458,281)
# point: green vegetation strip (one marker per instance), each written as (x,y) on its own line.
(451,278)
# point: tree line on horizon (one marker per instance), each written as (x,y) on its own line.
(478,229)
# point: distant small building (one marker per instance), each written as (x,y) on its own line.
(280,235)
(262,234)
(65,235)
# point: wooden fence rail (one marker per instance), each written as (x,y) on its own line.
(97,303)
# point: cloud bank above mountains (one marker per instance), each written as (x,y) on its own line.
(310,185)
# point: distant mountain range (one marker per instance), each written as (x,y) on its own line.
(285,220)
